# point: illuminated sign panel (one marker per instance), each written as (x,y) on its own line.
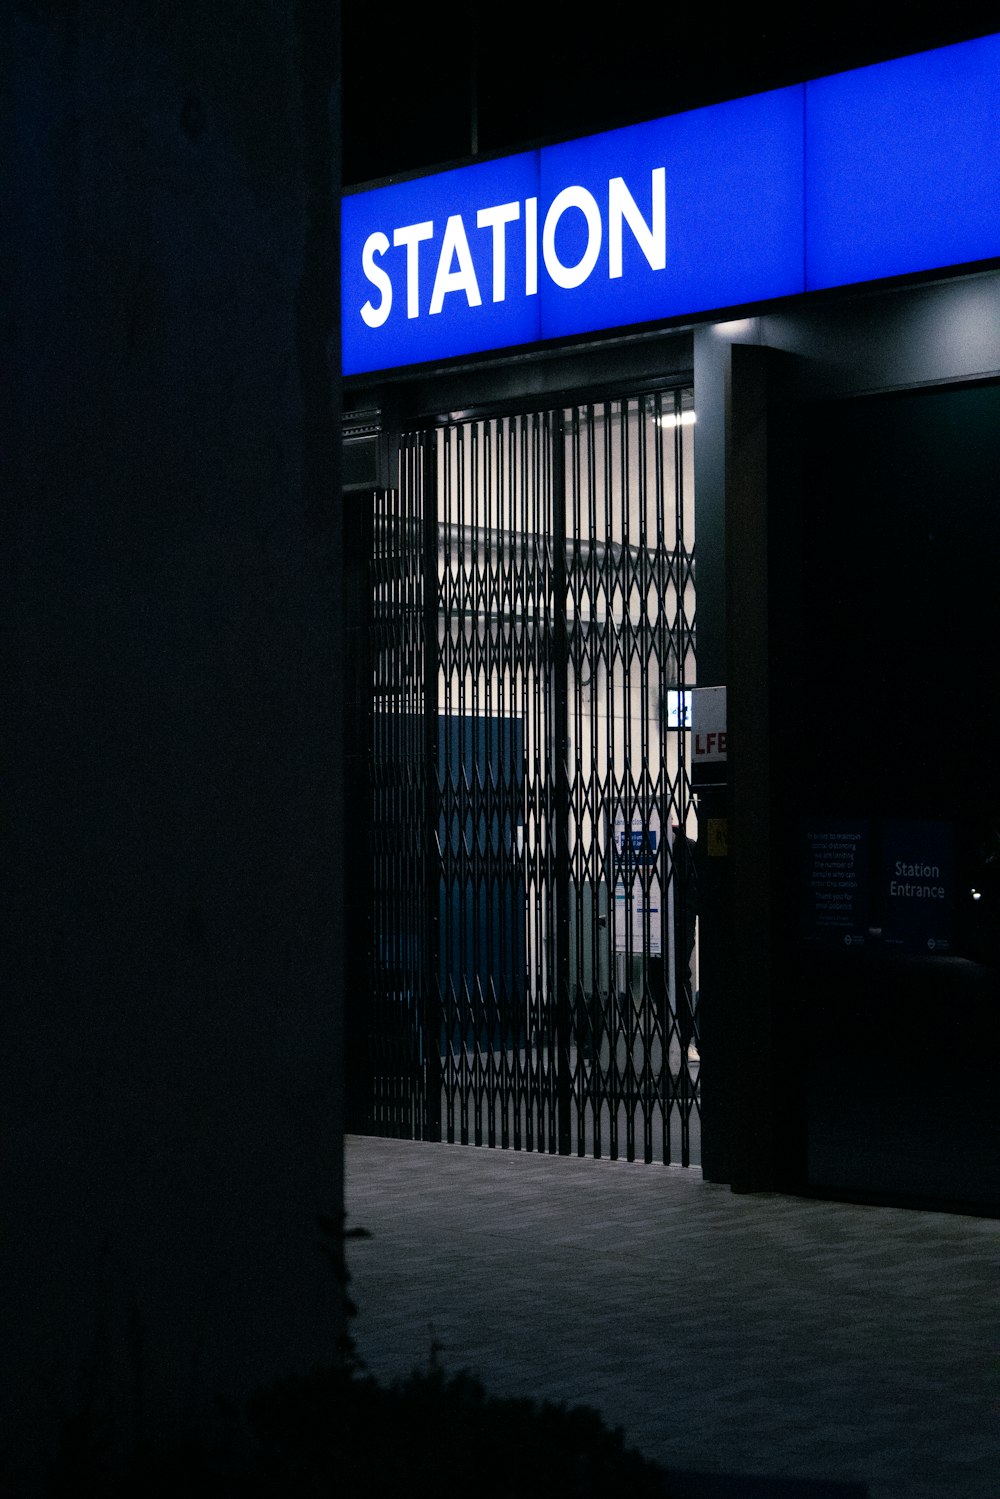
(408,295)
(903,166)
(726,237)
(879,172)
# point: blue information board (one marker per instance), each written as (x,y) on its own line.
(915,893)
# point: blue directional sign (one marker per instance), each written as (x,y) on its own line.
(879,172)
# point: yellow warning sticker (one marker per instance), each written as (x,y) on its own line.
(718,837)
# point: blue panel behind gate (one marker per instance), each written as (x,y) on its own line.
(482,954)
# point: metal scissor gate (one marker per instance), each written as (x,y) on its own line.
(533,973)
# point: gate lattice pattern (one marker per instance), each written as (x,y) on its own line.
(533,946)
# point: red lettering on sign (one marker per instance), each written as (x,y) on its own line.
(713,744)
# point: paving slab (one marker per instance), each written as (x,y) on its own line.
(764,1335)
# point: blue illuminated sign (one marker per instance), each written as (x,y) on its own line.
(903,166)
(879,172)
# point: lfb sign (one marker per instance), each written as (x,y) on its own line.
(709,733)
(880,172)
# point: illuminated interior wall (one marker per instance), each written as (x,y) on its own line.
(630,604)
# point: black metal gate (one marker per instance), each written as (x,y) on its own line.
(533,956)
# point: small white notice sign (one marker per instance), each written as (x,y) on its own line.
(709,740)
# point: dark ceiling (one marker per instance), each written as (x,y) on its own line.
(415,89)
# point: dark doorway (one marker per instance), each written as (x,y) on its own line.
(895,720)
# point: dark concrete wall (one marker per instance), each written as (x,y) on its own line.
(897,546)
(171,1006)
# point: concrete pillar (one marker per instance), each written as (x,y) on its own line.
(750,1111)
(171,1008)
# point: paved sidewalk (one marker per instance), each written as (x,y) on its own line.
(757,1335)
